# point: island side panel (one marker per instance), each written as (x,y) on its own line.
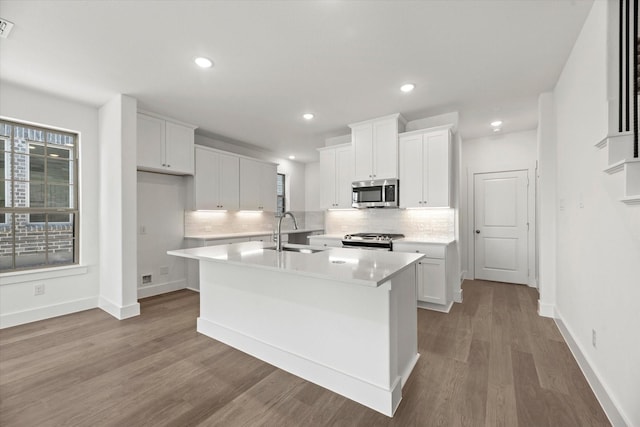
(335,334)
(338,325)
(406,323)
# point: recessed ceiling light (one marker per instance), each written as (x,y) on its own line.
(292,157)
(203,62)
(496,123)
(308,116)
(408,87)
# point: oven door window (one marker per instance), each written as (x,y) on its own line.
(367,194)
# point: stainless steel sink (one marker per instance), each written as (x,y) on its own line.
(299,250)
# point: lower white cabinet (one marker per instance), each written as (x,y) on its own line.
(330,242)
(436,282)
(432,281)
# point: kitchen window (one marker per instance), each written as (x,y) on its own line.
(280,205)
(38,197)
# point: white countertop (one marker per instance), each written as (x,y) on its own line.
(218,236)
(362,267)
(404,239)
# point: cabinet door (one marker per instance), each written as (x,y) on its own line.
(229,179)
(179,148)
(257,185)
(150,144)
(250,174)
(268,184)
(343,177)
(437,169)
(431,281)
(411,172)
(328,175)
(206,182)
(362,137)
(385,149)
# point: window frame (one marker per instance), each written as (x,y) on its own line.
(47,227)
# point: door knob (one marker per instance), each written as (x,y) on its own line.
(477,231)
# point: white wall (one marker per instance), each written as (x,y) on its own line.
(161,202)
(312,186)
(117,122)
(68,293)
(546,198)
(598,273)
(503,152)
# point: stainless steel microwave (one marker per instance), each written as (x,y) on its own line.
(379,193)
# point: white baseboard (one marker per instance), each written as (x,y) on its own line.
(193,289)
(365,393)
(435,307)
(610,407)
(119,312)
(546,310)
(47,312)
(457,295)
(161,288)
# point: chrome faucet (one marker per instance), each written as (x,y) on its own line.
(279,232)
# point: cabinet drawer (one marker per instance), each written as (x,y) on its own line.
(430,251)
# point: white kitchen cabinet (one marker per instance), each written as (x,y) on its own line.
(257,185)
(375,147)
(425,168)
(164,145)
(330,242)
(216,183)
(435,279)
(336,176)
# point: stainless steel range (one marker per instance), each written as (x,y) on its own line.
(379,241)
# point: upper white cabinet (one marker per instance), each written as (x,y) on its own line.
(216,184)
(425,168)
(257,185)
(164,145)
(375,147)
(336,176)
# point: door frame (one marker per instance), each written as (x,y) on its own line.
(531,218)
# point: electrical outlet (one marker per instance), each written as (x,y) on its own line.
(593,338)
(164,270)
(38,289)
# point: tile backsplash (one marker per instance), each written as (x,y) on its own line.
(211,222)
(415,223)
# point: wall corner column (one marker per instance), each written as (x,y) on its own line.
(117,127)
(546,200)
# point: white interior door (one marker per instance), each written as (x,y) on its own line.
(501,228)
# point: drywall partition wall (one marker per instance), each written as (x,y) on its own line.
(67,289)
(161,201)
(546,205)
(598,237)
(118,240)
(503,152)
(312,186)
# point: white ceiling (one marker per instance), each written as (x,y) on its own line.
(274,60)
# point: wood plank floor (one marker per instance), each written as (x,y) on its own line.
(492,361)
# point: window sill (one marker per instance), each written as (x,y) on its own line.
(42,274)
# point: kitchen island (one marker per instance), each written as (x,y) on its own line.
(345,319)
